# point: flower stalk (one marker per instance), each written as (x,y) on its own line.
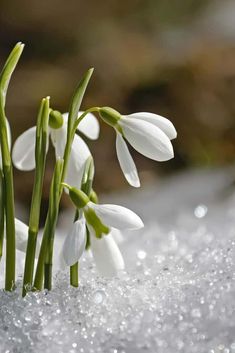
(40,159)
(86,187)
(52,220)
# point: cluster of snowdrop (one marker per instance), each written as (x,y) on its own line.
(147,133)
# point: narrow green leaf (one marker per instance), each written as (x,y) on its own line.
(77,98)
(40,158)
(8,69)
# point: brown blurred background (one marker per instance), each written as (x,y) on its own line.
(175,58)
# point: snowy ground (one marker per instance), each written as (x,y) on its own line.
(178,294)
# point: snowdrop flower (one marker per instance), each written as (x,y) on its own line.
(147,133)
(23,153)
(98,219)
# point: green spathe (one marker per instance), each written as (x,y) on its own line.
(109,115)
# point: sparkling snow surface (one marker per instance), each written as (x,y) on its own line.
(178,291)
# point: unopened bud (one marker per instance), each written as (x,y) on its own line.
(55,119)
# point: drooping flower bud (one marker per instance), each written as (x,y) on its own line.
(55,119)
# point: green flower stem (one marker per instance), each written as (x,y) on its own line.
(74,269)
(46,250)
(87,181)
(40,159)
(52,215)
(10,229)
(5,77)
(81,117)
(74,275)
(51,223)
(2,213)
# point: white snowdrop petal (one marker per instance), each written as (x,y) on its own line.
(75,243)
(117,216)
(89,126)
(58,139)
(126,162)
(162,123)
(21,230)
(107,256)
(23,152)
(147,139)
(79,154)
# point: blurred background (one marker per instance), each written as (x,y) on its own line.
(175,58)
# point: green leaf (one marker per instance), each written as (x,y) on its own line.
(8,69)
(77,99)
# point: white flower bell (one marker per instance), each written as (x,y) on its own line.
(104,249)
(147,133)
(23,153)
(107,255)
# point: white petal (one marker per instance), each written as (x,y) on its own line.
(75,243)
(147,139)
(58,138)
(107,256)
(118,236)
(21,235)
(23,152)
(117,216)
(89,126)
(79,154)
(164,124)
(126,162)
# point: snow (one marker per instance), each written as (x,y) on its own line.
(176,295)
